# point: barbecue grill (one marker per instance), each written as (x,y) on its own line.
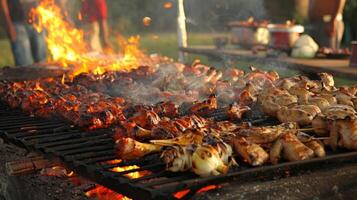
(86,154)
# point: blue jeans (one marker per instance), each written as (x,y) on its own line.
(29,46)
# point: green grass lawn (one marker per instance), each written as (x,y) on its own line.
(162,43)
(5,53)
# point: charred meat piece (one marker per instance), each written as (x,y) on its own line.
(128,148)
(251,153)
(202,108)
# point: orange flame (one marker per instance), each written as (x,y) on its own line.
(38,86)
(68,47)
(183,193)
(168,5)
(63,79)
(103,193)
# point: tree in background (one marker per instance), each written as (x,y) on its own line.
(350,19)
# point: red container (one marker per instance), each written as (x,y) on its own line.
(284,37)
(353,59)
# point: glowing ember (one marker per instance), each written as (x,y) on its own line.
(147,21)
(68,48)
(183,193)
(58,171)
(132,175)
(103,193)
(168,5)
(38,86)
(63,79)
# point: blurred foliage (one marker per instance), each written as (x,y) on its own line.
(125,16)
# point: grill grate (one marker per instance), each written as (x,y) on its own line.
(86,153)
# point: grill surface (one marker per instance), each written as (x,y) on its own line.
(86,153)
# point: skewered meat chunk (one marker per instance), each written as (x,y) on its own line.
(145,119)
(343,133)
(313,143)
(320,102)
(266,134)
(321,122)
(251,153)
(166,109)
(301,114)
(205,106)
(291,148)
(273,99)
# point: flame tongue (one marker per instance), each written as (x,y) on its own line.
(68,47)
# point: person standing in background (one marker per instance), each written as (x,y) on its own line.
(95,18)
(27,45)
(327,21)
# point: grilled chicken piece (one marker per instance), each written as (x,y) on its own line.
(166,109)
(235,112)
(302,93)
(301,114)
(348,134)
(291,147)
(251,153)
(202,108)
(272,100)
(320,102)
(266,134)
(327,79)
(329,97)
(145,119)
(127,148)
(321,123)
(314,144)
(343,133)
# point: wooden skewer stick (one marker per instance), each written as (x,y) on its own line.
(306,129)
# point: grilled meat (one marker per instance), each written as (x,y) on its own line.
(291,148)
(251,153)
(128,148)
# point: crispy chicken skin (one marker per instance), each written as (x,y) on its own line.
(128,148)
(343,133)
(251,153)
(291,147)
(264,135)
(301,114)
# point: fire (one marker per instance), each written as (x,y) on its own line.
(68,47)
(168,5)
(63,79)
(103,193)
(38,86)
(183,193)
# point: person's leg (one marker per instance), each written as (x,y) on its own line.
(21,47)
(340,29)
(38,44)
(94,37)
